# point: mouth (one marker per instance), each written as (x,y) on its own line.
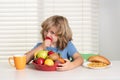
(48,38)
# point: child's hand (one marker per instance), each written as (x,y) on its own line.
(47,42)
(66,66)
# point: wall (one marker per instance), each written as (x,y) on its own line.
(109,29)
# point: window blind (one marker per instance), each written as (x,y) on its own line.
(20,23)
(82,16)
(19,29)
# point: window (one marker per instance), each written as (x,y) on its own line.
(20,23)
(18,26)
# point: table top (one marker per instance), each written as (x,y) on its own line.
(8,72)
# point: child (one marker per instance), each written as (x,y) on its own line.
(59,36)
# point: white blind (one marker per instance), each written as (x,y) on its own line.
(82,16)
(20,23)
(19,30)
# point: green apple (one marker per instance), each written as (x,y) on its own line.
(42,54)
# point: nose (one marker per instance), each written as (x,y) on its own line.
(48,34)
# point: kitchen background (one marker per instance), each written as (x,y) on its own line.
(94,24)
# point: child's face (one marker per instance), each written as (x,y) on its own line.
(51,33)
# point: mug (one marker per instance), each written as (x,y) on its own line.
(19,61)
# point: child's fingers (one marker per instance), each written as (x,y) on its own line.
(47,42)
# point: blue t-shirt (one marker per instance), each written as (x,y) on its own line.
(66,53)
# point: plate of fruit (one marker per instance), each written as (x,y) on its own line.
(47,60)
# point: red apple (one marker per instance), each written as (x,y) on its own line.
(57,63)
(40,61)
(50,52)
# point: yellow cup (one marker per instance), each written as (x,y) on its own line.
(19,61)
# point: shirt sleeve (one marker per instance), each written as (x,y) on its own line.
(71,49)
(37,45)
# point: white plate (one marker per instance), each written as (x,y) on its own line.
(85,64)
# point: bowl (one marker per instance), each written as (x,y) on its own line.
(45,67)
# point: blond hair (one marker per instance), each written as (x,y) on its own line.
(64,32)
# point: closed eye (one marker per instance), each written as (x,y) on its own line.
(52,32)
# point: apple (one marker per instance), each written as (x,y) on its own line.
(49,62)
(50,52)
(57,63)
(39,61)
(42,54)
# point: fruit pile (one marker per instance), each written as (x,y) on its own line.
(47,60)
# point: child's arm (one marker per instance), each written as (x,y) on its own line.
(30,54)
(77,61)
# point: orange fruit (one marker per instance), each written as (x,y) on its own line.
(61,60)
